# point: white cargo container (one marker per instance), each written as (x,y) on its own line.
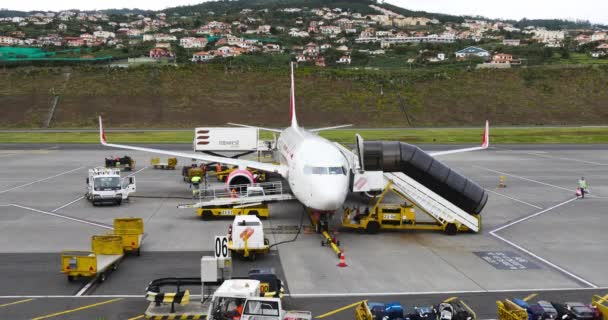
(225,139)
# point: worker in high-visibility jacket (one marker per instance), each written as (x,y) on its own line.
(582,186)
(195,182)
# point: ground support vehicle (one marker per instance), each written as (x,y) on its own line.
(104,185)
(380,216)
(157,164)
(246,237)
(131,230)
(126,163)
(455,309)
(252,294)
(509,310)
(260,211)
(601,303)
(105,256)
(189,172)
(376,310)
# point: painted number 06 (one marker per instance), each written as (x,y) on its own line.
(221,247)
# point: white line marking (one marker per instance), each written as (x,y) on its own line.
(138,171)
(65,217)
(321,295)
(31,183)
(86,287)
(554,157)
(551,264)
(67,204)
(527,179)
(545,261)
(533,215)
(7,155)
(520,201)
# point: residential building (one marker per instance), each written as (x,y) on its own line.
(311,49)
(472,52)
(158,53)
(511,42)
(502,58)
(320,61)
(599,36)
(104,34)
(344,60)
(202,56)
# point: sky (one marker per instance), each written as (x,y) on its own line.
(595,11)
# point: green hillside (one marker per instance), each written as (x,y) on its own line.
(215,94)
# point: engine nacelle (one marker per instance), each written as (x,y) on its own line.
(239,177)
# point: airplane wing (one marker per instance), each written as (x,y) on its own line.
(330,128)
(247,126)
(484,145)
(268,167)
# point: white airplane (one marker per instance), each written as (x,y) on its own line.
(317,170)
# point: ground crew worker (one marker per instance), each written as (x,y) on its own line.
(582,185)
(233,193)
(195,182)
(218,167)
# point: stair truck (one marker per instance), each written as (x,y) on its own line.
(104,185)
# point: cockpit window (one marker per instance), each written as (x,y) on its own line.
(308,170)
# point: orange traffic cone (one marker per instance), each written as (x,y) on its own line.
(342,263)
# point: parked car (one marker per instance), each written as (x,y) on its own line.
(580,311)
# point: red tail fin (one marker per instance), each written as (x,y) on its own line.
(292,101)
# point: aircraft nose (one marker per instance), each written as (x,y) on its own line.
(331,196)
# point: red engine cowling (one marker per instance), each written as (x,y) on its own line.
(239,177)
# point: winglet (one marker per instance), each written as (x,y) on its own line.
(102,134)
(486,136)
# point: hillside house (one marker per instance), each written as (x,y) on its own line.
(502,58)
(470,52)
(158,53)
(344,60)
(202,56)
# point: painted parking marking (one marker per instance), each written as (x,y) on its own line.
(506,260)
(96,224)
(530,297)
(15,302)
(547,262)
(339,309)
(524,178)
(514,199)
(77,309)
(67,204)
(41,180)
(554,157)
(138,317)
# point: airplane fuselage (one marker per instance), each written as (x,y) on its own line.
(317,171)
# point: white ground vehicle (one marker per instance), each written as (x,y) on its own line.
(246,236)
(242,297)
(104,185)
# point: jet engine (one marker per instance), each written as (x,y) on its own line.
(239,177)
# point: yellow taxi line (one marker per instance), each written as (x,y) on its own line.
(530,296)
(77,309)
(14,302)
(138,317)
